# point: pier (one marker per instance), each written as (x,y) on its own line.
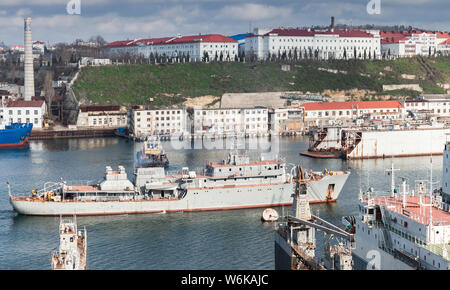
(63,134)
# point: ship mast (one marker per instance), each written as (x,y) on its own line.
(392,170)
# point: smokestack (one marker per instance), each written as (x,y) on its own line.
(29,72)
(332,23)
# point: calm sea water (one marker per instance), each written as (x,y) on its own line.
(235,239)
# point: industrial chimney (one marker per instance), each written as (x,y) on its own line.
(332,23)
(29,71)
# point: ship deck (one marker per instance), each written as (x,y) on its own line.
(415,209)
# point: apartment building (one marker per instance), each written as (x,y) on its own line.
(328,113)
(146,122)
(193,47)
(231,121)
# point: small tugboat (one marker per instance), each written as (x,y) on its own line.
(72,254)
(152,154)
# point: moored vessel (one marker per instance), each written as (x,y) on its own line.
(402,229)
(72,252)
(233,183)
(152,154)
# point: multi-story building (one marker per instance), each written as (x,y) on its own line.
(25,112)
(147,122)
(329,113)
(192,48)
(231,121)
(297,43)
(430,104)
(286,120)
(102,117)
(410,43)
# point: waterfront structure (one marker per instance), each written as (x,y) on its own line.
(286,120)
(233,183)
(378,142)
(192,48)
(231,121)
(26,112)
(329,113)
(296,43)
(430,104)
(404,228)
(102,117)
(28,61)
(147,122)
(72,252)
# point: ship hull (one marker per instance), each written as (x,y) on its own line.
(200,199)
(15,135)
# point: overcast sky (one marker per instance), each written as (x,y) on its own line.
(117,20)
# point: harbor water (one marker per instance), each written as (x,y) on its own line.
(234,239)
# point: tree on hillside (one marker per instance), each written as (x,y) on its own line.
(49,92)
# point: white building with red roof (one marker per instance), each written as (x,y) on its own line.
(443,46)
(195,46)
(322,113)
(409,43)
(307,43)
(25,112)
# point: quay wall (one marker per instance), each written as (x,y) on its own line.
(61,134)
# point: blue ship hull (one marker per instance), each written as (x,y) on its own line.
(15,135)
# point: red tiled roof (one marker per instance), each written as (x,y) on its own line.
(172,40)
(319,106)
(447,41)
(16,104)
(443,34)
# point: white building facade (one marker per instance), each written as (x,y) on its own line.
(102,117)
(338,44)
(330,113)
(433,105)
(216,46)
(149,122)
(25,112)
(231,121)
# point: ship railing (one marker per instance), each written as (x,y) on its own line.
(81,182)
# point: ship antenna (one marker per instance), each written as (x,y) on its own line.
(391,171)
(9,188)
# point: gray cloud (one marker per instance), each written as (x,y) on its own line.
(115,19)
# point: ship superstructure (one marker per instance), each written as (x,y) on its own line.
(152,154)
(72,252)
(402,229)
(233,183)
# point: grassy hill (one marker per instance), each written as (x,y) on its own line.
(171,83)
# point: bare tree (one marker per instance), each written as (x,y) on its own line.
(49,91)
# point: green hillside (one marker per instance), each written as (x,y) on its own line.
(171,83)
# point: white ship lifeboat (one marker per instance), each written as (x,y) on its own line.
(269,215)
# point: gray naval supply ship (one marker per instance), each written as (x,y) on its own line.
(231,184)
